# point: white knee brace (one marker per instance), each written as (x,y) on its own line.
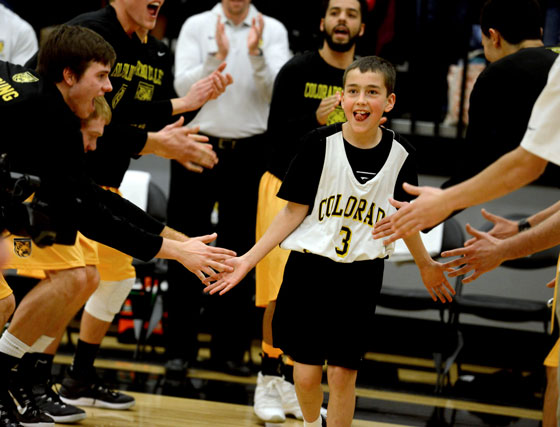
(108,299)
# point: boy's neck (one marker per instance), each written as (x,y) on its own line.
(335,59)
(363,140)
(509,49)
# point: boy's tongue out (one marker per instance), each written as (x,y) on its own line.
(361,115)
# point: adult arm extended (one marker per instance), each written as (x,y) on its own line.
(510,172)
(485,252)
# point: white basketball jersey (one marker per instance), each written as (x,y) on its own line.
(345,210)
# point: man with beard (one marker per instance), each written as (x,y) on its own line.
(254,47)
(306,95)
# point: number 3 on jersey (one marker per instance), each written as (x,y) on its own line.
(346,234)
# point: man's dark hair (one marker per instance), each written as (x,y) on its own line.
(516,20)
(374,64)
(363,8)
(73,47)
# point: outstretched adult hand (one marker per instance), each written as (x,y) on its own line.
(201,259)
(383,227)
(480,254)
(184,145)
(503,227)
(427,210)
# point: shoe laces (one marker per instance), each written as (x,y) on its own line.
(49,395)
(287,392)
(26,397)
(271,389)
(104,389)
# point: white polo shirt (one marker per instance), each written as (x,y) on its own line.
(241,111)
(18,41)
(542,137)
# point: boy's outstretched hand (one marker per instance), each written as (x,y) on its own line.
(436,283)
(226,280)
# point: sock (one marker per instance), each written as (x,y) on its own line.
(82,366)
(7,363)
(317,423)
(270,366)
(9,344)
(36,368)
(41,344)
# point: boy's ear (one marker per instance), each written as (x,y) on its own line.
(495,37)
(322,25)
(390,102)
(68,76)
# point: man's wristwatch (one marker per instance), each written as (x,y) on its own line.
(523,224)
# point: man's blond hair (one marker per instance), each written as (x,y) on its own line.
(102,110)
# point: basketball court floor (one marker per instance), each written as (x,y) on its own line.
(401,394)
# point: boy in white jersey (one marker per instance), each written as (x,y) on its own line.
(337,187)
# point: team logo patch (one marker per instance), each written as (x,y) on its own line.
(1,46)
(145,92)
(22,247)
(26,77)
(118,96)
(337,116)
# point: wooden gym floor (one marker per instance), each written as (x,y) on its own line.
(403,398)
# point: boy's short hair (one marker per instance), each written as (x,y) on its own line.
(375,64)
(101,110)
(516,20)
(73,47)
(363,8)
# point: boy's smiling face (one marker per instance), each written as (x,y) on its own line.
(365,99)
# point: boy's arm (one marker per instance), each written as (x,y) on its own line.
(287,220)
(430,270)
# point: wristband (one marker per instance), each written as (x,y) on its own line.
(523,225)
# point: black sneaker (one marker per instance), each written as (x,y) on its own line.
(176,369)
(28,413)
(48,401)
(93,393)
(8,412)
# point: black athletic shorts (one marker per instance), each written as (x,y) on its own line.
(325,309)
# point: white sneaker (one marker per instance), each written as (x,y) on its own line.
(268,405)
(289,400)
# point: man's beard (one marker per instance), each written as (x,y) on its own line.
(340,47)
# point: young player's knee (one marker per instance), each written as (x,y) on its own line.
(108,299)
(340,378)
(307,380)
